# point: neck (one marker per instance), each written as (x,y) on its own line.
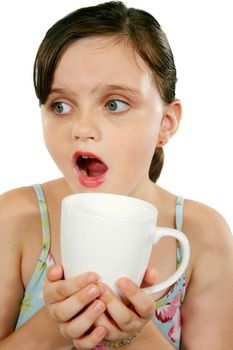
(147,191)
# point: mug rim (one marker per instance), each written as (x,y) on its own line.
(67,201)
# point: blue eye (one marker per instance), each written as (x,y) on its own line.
(117,106)
(60,107)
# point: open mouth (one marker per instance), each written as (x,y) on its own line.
(90,168)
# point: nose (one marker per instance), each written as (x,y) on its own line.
(86,127)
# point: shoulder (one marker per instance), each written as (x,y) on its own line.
(16,195)
(17,201)
(17,207)
(210,239)
(204,224)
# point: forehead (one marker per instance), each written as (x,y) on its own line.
(102,59)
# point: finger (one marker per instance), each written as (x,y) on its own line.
(123,316)
(150,277)
(65,310)
(113,330)
(62,289)
(82,323)
(91,340)
(143,303)
(54,273)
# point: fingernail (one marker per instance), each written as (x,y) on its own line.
(98,307)
(123,283)
(55,269)
(102,288)
(93,291)
(92,277)
(101,332)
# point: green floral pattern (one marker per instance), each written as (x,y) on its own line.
(33,297)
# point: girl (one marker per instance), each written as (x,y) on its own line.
(105,79)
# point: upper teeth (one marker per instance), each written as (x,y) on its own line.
(86,157)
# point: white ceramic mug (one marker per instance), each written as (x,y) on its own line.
(113,235)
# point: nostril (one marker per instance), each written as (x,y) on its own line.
(86,130)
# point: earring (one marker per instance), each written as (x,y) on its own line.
(160,143)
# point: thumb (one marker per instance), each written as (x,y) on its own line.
(55,273)
(151,277)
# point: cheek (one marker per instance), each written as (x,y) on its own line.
(54,147)
(138,149)
(49,141)
(144,152)
(145,139)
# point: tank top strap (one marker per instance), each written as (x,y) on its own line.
(44,222)
(179,224)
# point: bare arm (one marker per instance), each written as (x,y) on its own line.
(39,332)
(208,308)
(11,288)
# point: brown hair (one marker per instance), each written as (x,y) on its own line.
(138,27)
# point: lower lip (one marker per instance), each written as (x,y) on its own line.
(87,181)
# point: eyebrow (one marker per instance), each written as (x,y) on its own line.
(124,88)
(104,88)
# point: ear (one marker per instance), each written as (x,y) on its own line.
(170,122)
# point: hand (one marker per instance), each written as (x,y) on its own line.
(121,320)
(150,277)
(74,306)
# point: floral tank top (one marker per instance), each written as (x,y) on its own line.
(167,315)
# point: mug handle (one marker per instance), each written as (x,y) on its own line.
(171,232)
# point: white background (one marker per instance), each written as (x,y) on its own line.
(198,159)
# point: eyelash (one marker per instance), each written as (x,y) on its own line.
(53,105)
(120,101)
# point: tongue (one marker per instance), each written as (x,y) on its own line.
(95,167)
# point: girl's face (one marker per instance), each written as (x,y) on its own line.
(102,118)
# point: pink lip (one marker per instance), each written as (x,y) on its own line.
(84,180)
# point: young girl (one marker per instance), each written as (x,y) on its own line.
(105,79)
